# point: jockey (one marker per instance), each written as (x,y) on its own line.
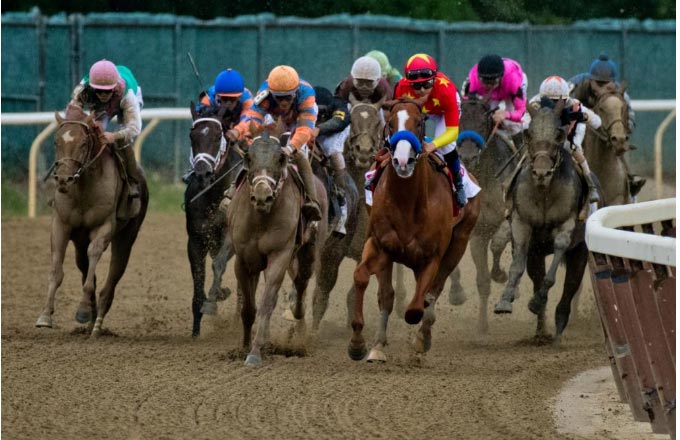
(575,115)
(109,91)
(284,94)
(503,80)
(442,106)
(228,91)
(331,132)
(365,82)
(601,79)
(388,72)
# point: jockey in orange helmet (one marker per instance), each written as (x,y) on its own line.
(284,94)
(423,78)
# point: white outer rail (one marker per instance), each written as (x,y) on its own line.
(603,237)
(155,114)
(158,114)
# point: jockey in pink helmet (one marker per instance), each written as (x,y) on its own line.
(109,91)
(503,81)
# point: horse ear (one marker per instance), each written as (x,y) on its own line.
(58,117)
(194,114)
(387,105)
(221,112)
(352,99)
(623,86)
(421,101)
(559,107)
(380,103)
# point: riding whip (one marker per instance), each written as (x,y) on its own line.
(198,75)
(205,190)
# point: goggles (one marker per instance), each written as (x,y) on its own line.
(103,92)
(423,84)
(414,75)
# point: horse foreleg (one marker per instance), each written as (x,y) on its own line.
(424,279)
(59,241)
(400,289)
(457,294)
(325,280)
(197,251)
(423,338)
(385,304)
(577,259)
(277,265)
(521,234)
(121,246)
(479,251)
(561,243)
(536,271)
(219,265)
(247,286)
(101,240)
(499,241)
(373,260)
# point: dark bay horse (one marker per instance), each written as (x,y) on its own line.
(491,161)
(548,195)
(412,222)
(264,226)
(213,164)
(90,190)
(604,148)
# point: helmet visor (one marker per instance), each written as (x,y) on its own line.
(421,74)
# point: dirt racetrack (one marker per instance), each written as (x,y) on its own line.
(146,378)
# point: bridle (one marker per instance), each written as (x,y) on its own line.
(212,161)
(420,124)
(375,136)
(603,132)
(262,178)
(545,153)
(83,164)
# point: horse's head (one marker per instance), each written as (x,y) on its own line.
(76,139)
(406,129)
(267,166)
(365,133)
(545,137)
(476,124)
(207,142)
(613,110)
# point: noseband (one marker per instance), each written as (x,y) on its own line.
(212,161)
(543,153)
(603,132)
(262,178)
(390,139)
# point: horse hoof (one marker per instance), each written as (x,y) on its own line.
(83,317)
(288,315)
(457,298)
(44,321)
(421,344)
(503,306)
(223,293)
(535,307)
(413,316)
(356,354)
(209,308)
(96,333)
(253,361)
(377,356)
(499,276)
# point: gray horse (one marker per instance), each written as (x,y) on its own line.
(268,236)
(492,161)
(547,196)
(605,148)
(89,210)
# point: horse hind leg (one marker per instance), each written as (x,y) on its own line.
(87,309)
(479,251)
(400,289)
(219,265)
(576,265)
(197,251)
(536,271)
(499,241)
(325,281)
(457,294)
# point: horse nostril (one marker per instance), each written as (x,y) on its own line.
(252,199)
(269,200)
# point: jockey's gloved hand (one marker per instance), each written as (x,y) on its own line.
(288,150)
(574,115)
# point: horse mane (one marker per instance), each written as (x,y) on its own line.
(74,113)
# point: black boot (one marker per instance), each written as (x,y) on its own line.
(635,184)
(453,163)
(131,169)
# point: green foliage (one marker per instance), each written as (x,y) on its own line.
(534,11)
(14,199)
(164,196)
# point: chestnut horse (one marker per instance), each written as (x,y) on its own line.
(87,212)
(412,222)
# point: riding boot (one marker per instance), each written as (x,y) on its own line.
(310,209)
(593,195)
(635,182)
(453,163)
(338,169)
(133,174)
